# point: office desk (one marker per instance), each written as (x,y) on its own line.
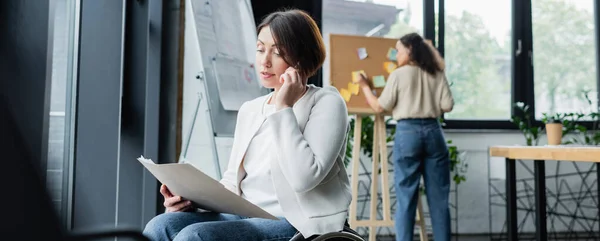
(538,154)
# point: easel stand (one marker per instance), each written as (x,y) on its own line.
(380,153)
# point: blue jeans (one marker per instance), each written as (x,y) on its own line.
(215,226)
(420,149)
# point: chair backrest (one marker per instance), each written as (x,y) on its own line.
(27,211)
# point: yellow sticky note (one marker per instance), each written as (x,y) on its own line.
(356,75)
(389,67)
(346,94)
(353,88)
(378,81)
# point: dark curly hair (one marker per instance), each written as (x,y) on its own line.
(421,54)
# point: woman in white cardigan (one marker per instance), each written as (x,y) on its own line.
(288,148)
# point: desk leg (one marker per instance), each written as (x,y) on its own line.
(598,186)
(511,199)
(540,200)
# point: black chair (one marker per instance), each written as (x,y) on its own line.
(27,211)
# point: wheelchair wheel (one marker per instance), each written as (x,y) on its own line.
(339,236)
(347,234)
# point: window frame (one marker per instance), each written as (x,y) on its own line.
(522,71)
(127,100)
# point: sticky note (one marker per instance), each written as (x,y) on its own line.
(345,94)
(391,54)
(353,88)
(389,67)
(378,81)
(362,53)
(356,75)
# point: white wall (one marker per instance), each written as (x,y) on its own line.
(473,195)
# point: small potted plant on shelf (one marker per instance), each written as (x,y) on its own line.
(554,129)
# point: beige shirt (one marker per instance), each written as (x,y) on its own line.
(411,92)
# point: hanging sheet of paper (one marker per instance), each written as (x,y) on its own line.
(204,28)
(203,7)
(345,94)
(229,29)
(353,88)
(389,67)
(391,54)
(362,53)
(236,81)
(203,18)
(356,75)
(378,81)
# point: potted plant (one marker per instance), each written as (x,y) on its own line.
(586,136)
(458,166)
(554,130)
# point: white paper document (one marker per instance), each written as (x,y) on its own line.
(206,193)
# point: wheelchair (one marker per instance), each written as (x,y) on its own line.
(345,235)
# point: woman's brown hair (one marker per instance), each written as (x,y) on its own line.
(422,53)
(298,39)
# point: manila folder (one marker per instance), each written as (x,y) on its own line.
(205,192)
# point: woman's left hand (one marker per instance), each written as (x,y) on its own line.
(292,89)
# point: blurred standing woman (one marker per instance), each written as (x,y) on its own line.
(417,94)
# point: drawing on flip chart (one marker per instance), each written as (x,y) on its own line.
(236,82)
(230,41)
(224,41)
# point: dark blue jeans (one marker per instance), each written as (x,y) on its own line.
(210,226)
(420,149)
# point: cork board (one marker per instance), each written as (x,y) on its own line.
(344,59)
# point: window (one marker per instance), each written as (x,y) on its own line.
(378,18)
(477,39)
(409,20)
(552,68)
(564,57)
(61,104)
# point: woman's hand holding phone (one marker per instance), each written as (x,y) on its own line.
(294,86)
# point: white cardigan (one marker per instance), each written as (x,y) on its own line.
(310,180)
